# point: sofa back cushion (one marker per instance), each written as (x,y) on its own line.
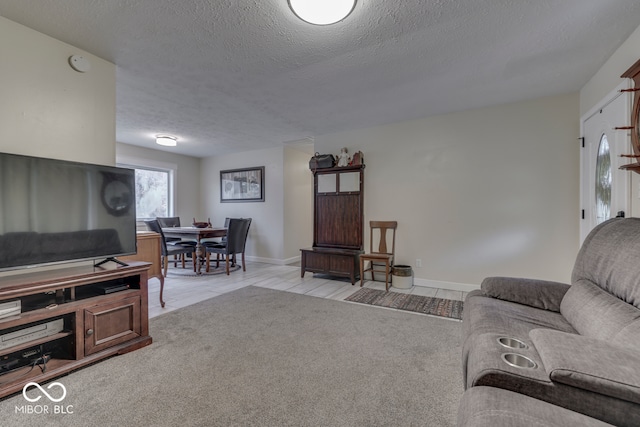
(597,314)
(609,258)
(629,336)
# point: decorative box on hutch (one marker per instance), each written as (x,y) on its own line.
(337,222)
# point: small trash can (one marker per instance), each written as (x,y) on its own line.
(402,276)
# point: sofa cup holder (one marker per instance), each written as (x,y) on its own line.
(512,343)
(518,361)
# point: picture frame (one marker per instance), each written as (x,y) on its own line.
(242,185)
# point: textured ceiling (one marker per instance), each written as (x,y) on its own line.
(235,75)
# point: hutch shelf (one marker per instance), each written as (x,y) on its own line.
(633,73)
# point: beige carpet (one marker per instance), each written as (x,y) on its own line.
(259,357)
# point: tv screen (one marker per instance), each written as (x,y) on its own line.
(54,211)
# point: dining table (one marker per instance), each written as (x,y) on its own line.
(197,234)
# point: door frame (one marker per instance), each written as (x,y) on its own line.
(616,161)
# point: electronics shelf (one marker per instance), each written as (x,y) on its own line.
(96,324)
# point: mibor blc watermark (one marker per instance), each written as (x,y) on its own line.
(55,394)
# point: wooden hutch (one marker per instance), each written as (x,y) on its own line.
(337,222)
(633,73)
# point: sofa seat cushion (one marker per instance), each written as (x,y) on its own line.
(494,407)
(484,314)
(486,367)
(606,369)
(594,312)
(629,336)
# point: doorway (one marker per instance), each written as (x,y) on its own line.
(604,187)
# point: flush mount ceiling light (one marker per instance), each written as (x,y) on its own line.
(166,140)
(322,12)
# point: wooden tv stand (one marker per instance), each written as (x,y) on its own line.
(96,325)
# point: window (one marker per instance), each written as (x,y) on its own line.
(154,189)
(603,181)
(152,193)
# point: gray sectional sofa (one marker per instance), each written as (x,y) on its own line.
(547,345)
(496,407)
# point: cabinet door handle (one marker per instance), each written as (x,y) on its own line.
(89,332)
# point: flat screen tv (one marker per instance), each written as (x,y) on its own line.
(54,211)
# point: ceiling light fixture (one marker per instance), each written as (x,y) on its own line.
(322,12)
(166,140)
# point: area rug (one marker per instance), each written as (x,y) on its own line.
(188,271)
(417,303)
(261,357)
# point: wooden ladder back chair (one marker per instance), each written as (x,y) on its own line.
(380,260)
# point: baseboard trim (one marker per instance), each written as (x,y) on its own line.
(427,283)
(273,261)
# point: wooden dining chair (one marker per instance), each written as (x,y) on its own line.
(382,257)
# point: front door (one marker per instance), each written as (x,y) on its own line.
(605,188)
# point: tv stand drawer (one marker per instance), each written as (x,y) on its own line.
(111,324)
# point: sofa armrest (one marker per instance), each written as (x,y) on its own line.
(535,293)
(589,363)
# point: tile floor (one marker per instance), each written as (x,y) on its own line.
(184,291)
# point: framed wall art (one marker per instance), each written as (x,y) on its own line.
(242,185)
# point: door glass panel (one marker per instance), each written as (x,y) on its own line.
(349,182)
(327,183)
(603,181)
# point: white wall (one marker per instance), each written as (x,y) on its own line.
(492,191)
(48,109)
(265,242)
(298,202)
(608,76)
(477,193)
(188,203)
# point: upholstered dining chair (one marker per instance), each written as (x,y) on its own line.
(235,243)
(221,242)
(174,221)
(382,257)
(168,250)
